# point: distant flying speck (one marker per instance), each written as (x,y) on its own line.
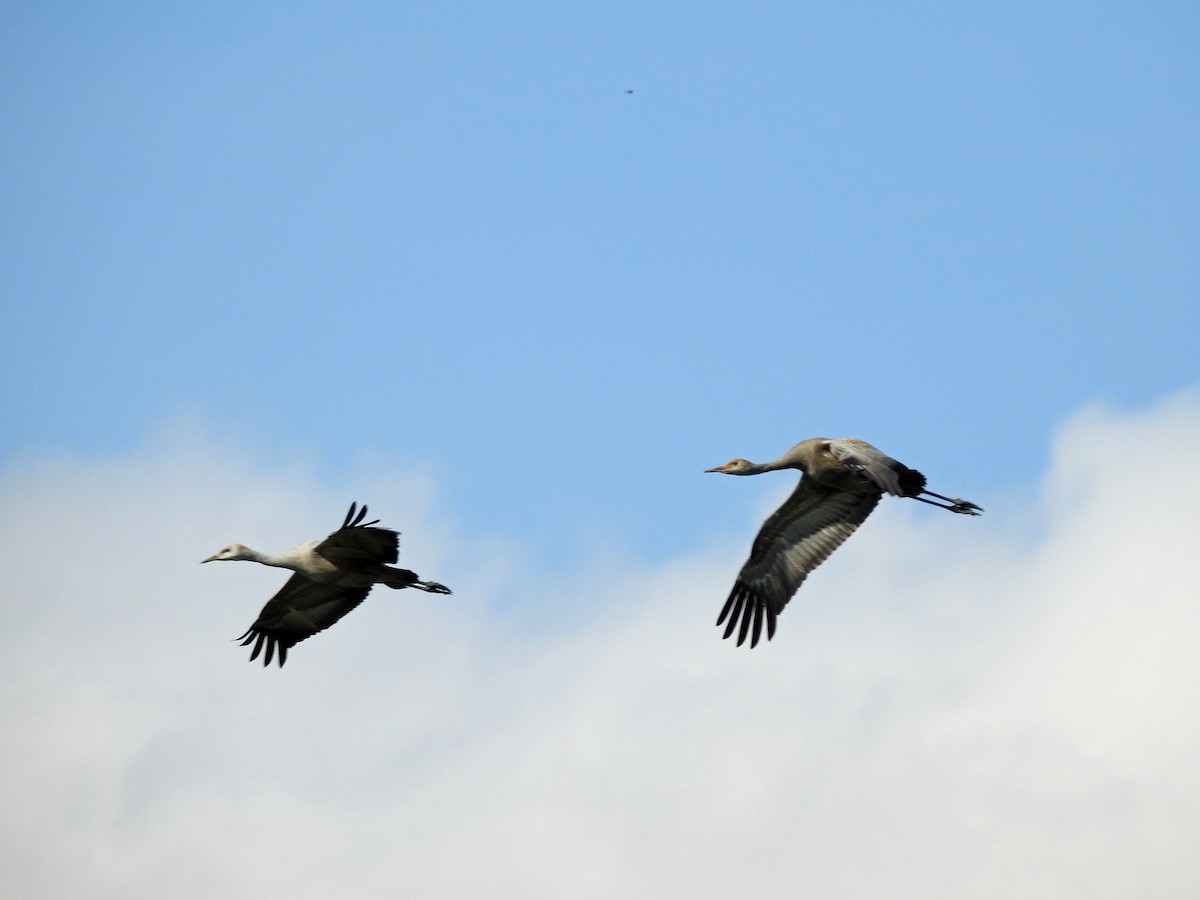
(842,481)
(630,91)
(332,577)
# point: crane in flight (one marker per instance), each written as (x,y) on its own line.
(331,577)
(841,482)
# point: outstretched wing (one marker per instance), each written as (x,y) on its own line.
(877,467)
(811,524)
(302,608)
(356,545)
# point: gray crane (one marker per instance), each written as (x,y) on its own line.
(331,578)
(841,483)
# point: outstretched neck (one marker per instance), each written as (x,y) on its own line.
(279,560)
(298,559)
(773,466)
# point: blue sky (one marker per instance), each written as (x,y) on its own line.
(451,235)
(441,261)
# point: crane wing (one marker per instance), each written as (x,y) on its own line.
(302,608)
(357,545)
(795,539)
(877,467)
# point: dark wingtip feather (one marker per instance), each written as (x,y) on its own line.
(725,609)
(734,614)
(262,639)
(747,615)
(353,521)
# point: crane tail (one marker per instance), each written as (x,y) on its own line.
(912,482)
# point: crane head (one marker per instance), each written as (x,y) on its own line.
(233,551)
(734,467)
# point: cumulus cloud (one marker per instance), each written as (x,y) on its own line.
(997,707)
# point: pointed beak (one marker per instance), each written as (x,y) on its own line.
(210,559)
(718,468)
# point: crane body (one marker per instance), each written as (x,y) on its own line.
(841,483)
(331,577)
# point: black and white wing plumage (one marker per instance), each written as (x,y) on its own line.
(798,537)
(356,544)
(302,608)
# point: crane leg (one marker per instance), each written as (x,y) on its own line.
(966,507)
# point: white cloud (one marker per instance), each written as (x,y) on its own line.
(997,707)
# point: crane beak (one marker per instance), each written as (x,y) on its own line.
(210,559)
(718,469)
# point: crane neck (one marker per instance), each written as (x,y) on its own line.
(295,559)
(279,561)
(774,465)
